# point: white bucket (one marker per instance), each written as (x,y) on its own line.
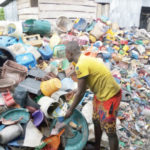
(10,132)
(45,102)
(15,29)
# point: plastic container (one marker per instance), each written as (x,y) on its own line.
(17,49)
(16,114)
(64,24)
(31,85)
(80,138)
(10,132)
(50,86)
(38,117)
(54,40)
(7,41)
(9,101)
(34,40)
(59,51)
(2,30)
(47,105)
(34,51)
(46,52)
(5,54)
(6,84)
(15,29)
(14,71)
(126,48)
(98,30)
(90,53)
(27,60)
(20,96)
(53,141)
(32,26)
(80,25)
(83,40)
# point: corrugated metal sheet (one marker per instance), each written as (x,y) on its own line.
(103,1)
(126,12)
(4,2)
(11,11)
(146,3)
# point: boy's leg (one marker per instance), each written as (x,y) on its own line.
(113,141)
(110,109)
(97,125)
(98,134)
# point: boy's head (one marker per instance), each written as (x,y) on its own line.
(72,50)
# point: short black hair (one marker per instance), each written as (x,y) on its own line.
(73,47)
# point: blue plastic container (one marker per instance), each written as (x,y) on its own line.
(6,41)
(27,60)
(106,56)
(110,50)
(80,25)
(46,52)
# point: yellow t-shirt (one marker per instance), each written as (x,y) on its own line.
(99,78)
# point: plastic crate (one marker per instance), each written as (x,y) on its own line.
(34,40)
(27,60)
(46,52)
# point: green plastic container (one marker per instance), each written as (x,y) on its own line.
(80,139)
(139,42)
(16,114)
(59,51)
(65,64)
(33,26)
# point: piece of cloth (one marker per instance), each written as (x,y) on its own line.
(106,112)
(99,78)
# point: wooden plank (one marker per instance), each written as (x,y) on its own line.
(69,2)
(55,7)
(71,14)
(31,10)
(25,17)
(23,1)
(24,5)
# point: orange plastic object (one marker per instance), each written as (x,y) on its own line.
(53,141)
(89,53)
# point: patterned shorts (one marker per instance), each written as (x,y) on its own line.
(106,112)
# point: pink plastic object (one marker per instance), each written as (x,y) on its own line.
(9,101)
(83,40)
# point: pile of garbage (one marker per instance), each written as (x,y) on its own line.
(37,83)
